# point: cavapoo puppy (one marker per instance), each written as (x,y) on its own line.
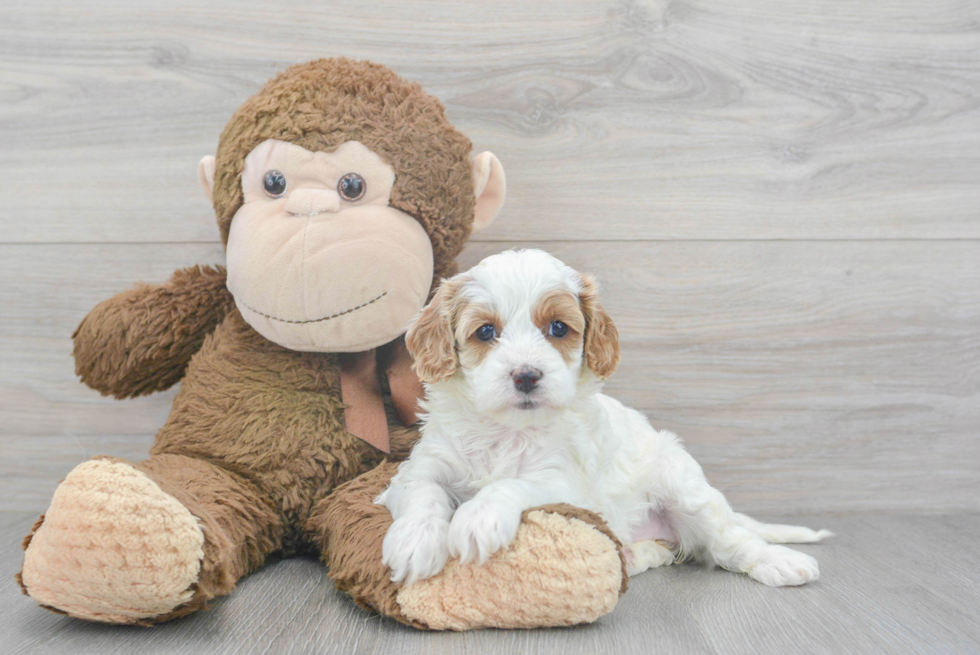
(513,353)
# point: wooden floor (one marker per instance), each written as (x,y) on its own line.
(890,584)
(780,199)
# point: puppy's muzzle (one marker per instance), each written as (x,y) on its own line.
(526,379)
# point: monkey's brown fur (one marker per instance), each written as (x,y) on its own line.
(354,558)
(141,340)
(255,441)
(322,104)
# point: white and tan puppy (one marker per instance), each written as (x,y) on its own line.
(513,353)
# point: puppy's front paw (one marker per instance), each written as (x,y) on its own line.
(415,548)
(480,528)
(781,567)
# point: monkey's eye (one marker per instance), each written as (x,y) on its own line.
(486,332)
(351,187)
(558,329)
(274,183)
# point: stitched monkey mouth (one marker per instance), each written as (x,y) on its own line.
(319,320)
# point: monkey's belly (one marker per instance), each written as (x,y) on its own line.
(271,415)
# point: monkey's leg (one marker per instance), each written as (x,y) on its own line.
(144,543)
(565,566)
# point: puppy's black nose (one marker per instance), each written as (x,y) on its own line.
(526,379)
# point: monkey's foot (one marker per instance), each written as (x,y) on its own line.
(564,568)
(113,547)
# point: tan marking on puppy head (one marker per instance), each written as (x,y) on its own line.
(565,307)
(601,336)
(471,317)
(430,338)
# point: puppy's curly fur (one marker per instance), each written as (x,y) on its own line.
(513,352)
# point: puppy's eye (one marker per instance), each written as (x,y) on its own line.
(274,183)
(351,187)
(486,332)
(558,329)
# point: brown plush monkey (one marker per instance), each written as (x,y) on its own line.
(343,196)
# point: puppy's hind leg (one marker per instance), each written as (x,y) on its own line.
(776,533)
(647,554)
(707,523)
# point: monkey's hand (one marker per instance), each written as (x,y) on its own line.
(141,340)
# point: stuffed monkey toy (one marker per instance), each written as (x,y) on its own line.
(343,196)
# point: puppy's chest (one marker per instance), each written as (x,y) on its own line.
(515,456)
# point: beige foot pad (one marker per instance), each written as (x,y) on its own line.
(558,571)
(113,547)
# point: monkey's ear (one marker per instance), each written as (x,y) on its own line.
(490,186)
(601,335)
(205,175)
(430,338)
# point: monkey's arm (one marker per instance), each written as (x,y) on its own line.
(141,340)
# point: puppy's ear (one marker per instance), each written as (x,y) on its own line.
(430,338)
(601,337)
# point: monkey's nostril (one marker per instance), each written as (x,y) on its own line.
(526,379)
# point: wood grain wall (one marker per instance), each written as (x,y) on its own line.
(781,199)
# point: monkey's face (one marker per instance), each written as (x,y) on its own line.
(317,259)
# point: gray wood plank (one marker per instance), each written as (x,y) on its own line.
(51,422)
(616,120)
(889,583)
(882,590)
(812,376)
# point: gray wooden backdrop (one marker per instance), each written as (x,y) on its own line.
(781,199)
